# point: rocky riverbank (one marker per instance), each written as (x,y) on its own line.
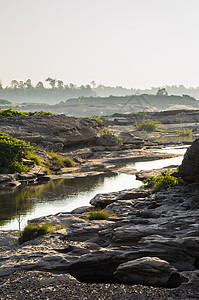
(151,239)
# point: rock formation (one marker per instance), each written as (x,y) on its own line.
(189,169)
(56,132)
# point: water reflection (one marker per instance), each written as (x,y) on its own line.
(24,203)
(55,196)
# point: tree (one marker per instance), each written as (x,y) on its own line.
(60,84)
(28,84)
(14,84)
(40,85)
(162,92)
(52,82)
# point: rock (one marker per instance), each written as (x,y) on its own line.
(56,132)
(81,210)
(102,200)
(129,138)
(189,169)
(146,270)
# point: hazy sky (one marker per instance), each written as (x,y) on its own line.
(134,43)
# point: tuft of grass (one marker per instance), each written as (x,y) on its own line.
(185,132)
(119,140)
(32,231)
(147,125)
(37,159)
(98,215)
(97,118)
(165,180)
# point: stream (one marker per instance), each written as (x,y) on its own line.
(62,195)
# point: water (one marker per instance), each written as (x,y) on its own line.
(24,203)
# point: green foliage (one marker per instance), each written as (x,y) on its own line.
(147,125)
(31,231)
(18,167)
(12,151)
(61,160)
(120,140)
(142,114)
(98,215)
(12,113)
(41,114)
(97,118)
(185,132)
(165,180)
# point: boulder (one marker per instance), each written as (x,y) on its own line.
(189,169)
(146,270)
(56,132)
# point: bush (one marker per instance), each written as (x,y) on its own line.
(147,125)
(165,180)
(12,113)
(18,167)
(12,151)
(98,215)
(31,231)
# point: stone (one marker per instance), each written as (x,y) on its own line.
(189,169)
(146,270)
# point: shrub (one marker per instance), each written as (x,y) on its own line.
(98,215)
(12,151)
(31,231)
(11,113)
(165,180)
(147,125)
(18,167)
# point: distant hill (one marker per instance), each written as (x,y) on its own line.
(5,102)
(89,106)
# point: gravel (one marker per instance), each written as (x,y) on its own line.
(46,285)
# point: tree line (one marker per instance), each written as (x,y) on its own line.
(54,90)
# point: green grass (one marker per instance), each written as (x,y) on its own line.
(119,140)
(98,215)
(60,159)
(96,118)
(32,231)
(147,125)
(165,180)
(185,132)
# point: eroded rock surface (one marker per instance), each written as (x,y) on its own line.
(54,132)
(155,232)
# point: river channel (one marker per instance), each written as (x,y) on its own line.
(63,195)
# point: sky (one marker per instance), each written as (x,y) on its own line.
(130,43)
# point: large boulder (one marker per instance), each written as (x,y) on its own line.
(56,132)
(189,169)
(147,271)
